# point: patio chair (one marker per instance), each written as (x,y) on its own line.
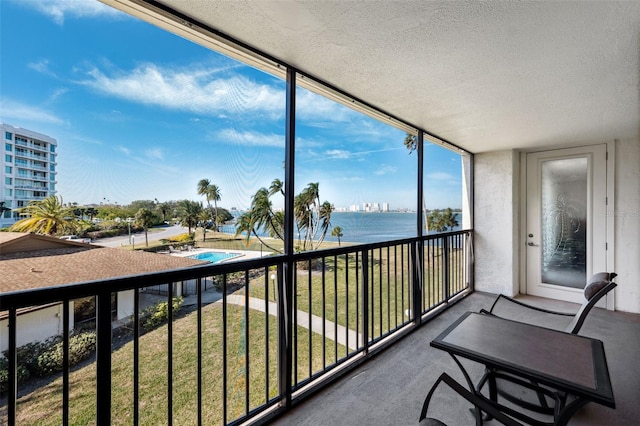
(597,287)
(479,403)
(544,398)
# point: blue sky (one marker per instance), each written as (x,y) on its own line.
(139,113)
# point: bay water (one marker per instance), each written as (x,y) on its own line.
(360,227)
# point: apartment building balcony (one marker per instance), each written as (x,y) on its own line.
(35,156)
(40,147)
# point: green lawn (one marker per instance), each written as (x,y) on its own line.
(339,300)
(43,406)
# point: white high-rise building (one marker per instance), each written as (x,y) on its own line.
(28,169)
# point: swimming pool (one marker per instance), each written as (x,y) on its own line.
(214,256)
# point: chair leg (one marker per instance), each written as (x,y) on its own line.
(480,403)
(493,392)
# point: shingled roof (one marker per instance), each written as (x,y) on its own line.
(30,261)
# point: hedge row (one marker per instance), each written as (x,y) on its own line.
(42,359)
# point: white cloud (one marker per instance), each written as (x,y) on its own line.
(248,138)
(316,109)
(155,154)
(58,10)
(152,160)
(124,150)
(16,111)
(385,169)
(194,89)
(41,66)
(57,93)
(337,153)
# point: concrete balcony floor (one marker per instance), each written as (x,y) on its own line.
(390,388)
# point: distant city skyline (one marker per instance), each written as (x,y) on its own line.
(142,114)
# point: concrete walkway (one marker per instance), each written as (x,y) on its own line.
(303,321)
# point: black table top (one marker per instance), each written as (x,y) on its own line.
(575,364)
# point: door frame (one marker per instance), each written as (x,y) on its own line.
(610,217)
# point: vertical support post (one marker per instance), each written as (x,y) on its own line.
(446,268)
(65,362)
(103,359)
(285,276)
(12,385)
(417,249)
(136,356)
(365,300)
(170,294)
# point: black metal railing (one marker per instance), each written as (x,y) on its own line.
(256,337)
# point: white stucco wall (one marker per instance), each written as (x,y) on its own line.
(495,222)
(35,326)
(125,304)
(627,225)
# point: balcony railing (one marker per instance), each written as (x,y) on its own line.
(279,328)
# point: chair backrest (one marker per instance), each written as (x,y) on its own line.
(597,286)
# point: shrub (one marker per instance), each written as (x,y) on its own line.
(28,354)
(182,238)
(155,315)
(81,347)
(23,374)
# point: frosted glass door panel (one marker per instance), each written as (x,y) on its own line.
(564,201)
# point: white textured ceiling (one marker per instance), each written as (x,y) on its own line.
(482,75)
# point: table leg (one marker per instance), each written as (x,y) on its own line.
(564,412)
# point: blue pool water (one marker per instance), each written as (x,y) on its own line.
(213,257)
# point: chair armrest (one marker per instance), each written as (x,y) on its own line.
(535,308)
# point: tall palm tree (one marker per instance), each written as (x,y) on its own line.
(211,192)
(145,218)
(203,189)
(47,216)
(215,195)
(276,186)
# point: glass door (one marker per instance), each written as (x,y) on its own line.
(566,220)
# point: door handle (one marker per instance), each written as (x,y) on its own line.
(530,244)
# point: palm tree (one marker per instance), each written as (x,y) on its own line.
(245,223)
(145,218)
(164,209)
(203,187)
(311,217)
(435,221)
(92,212)
(449,219)
(203,219)
(189,213)
(214,194)
(337,232)
(47,216)
(276,186)
(411,142)
(211,192)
